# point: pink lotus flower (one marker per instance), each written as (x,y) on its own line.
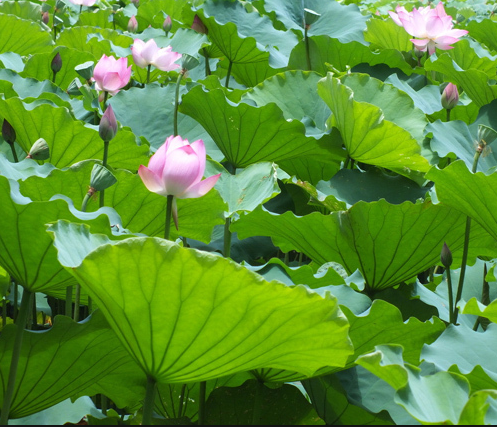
(145,54)
(450,96)
(83,2)
(176,169)
(433,28)
(111,74)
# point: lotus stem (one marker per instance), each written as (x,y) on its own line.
(226,83)
(307,49)
(148,73)
(201,403)
(104,163)
(176,101)
(77,300)
(16,352)
(148,404)
(14,154)
(466,243)
(451,298)
(68,309)
(256,414)
(169,211)
(227,238)
(207,66)
(182,401)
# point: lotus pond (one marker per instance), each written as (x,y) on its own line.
(248,212)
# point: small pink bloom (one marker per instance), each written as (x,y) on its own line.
(132,25)
(87,3)
(176,169)
(145,54)
(111,74)
(450,96)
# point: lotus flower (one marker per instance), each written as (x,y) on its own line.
(111,74)
(145,54)
(433,28)
(83,2)
(450,96)
(176,169)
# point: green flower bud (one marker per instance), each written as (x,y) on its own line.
(310,17)
(8,132)
(101,178)
(73,88)
(39,150)
(446,256)
(188,62)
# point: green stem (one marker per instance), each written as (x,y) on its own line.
(68,310)
(448,115)
(346,163)
(14,154)
(182,401)
(104,164)
(53,77)
(16,299)
(466,246)
(80,8)
(77,300)
(4,312)
(148,73)
(85,202)
(201,403)
(90,306)
(451,298)
(286,260)
(34,320)
(104,403)
(228,75)
(207,65)
(104,102)
(176,102)
(227,238)
(148,404)
(16,352)
(307,50)
(256,414)
(169,211)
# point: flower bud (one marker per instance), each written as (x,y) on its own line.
(45,17)
(132,25)
(310,17)
(8,132)
(168,24)
(199,26)
(101,178)
(188,62)
(73,88)
(59,5)
(446,256)
(56,64)
(450,96)
(108,125)
(39,150)
(85,69)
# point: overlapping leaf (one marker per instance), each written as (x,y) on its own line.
(22,36)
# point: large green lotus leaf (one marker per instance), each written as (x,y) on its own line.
(21,9)
(341,56)
(12,61)
(251,73)
(490,311)
(285,405)
(219,319)
(23,169)
(475,412)
(38,66)
(386,34)
(476,83)
(23,36)
(451,348)
(245,37)
(97,18)
(34,266)
(361,237)
(311,169)
(31,88)
(247,134)
(484,32)
(69,140)
(432,399)
(395,104)
(295,92)
(248,189)
(367,135)
(471,194)
(466,57)
(158,126)
(383,324)
(69,360)
(141,211)
(149,10)
(352,186)
(345,23)
(81,39)
(332,405)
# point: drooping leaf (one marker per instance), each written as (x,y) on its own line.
(386,34)
(367,135)
(69,360)
(23,36)
(221,318)
(25,10)
(361,237)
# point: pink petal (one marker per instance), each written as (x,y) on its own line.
(200,188)
(181,170)
(199,148)
(158,160)
(174,142)
(151,181)
(420,44)
(149,51)
(112,81)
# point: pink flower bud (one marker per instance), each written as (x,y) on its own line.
(199,26)
(45,17)
(450,96)
(167,25)
(56,63)
(132,25)
(108,125)
(111,74)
